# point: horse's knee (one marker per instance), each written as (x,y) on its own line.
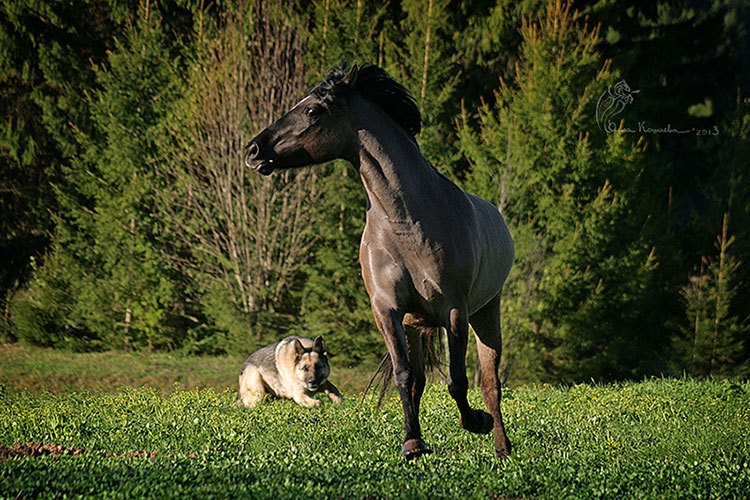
(403,377)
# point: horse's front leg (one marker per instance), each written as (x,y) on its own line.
(389,323)
(458,384)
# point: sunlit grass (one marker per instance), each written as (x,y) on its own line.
(38,369)
(654,439)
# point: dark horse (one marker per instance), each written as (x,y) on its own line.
(432,255)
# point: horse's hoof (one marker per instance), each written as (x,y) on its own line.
(480,422)
(414,448)
(503,450)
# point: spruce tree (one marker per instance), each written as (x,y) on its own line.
(46,53)
(345,30)
(712,340)
(115,286)
(422,57)
(574,301)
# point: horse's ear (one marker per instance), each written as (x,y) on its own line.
(351,76)
(319,346)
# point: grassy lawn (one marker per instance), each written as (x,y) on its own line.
(654,439)
(37,370)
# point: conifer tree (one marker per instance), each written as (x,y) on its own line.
(46,52)
(119,291)
(572,299)
(345,30)
(712,341)
(422,57)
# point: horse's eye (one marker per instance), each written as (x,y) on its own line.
(312,111)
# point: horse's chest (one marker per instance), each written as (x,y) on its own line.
(410,255)
(420,253)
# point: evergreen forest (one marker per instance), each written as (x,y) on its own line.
(613,136)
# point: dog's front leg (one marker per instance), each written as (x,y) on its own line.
(303,399)
(332,392)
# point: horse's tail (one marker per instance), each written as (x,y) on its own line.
(432,350)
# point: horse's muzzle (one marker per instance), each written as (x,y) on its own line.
(252,160)
(263,167)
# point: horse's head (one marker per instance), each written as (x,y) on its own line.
(316,130)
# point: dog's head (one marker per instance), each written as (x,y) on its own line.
(311,365)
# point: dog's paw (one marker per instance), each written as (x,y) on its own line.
(312,403)
(337,399)
(307,401)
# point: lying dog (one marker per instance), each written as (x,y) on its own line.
(294,368)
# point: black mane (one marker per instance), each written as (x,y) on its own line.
(377,86)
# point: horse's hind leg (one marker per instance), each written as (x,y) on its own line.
(458,384)
(389,324)
(486,323)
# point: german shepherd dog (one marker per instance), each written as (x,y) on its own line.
(293,368)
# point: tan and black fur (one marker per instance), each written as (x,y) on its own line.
(293,368)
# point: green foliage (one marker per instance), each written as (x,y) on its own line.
(121,295)
(712,340)
(581,268)
(122,180)
(422,58)
(225,329)
(489,44)
(345,30)
(40,315)
(46,53)
(655,439)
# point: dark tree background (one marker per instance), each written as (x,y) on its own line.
(128,221)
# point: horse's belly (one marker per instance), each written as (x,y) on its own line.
(431,275)
(488,283)
(421,320)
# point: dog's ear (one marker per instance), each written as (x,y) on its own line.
(299,350)
(319,346)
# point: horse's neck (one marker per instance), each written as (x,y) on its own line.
(398,179)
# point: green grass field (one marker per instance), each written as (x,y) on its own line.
(653,439)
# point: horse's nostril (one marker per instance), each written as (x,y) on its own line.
(252,151)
